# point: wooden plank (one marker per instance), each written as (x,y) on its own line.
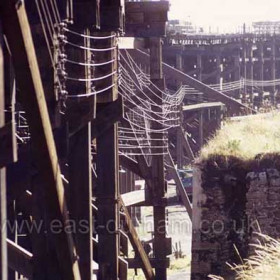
(135,263)
(234,106)
(200,106)
(179,185)
(20,260)
(31,95)
(131,43)
(136,243)
(3,206)
(133,198)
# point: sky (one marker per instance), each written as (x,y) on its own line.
(227,15)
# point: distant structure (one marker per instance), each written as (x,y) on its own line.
(269,27)
(182,27)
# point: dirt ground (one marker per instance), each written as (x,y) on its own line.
(178,228)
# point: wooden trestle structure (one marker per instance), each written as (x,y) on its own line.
(63,206)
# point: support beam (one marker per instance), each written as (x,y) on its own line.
(3,206)
(186,144)
(135,263)
(201,125)
(199,67)
(273,69)
(31,95)
(250,69)
(107,203)
(260,63)
(126,43)
(20,260)
(107,167)
(132,165)
(133,198)
(179,65)
(179,185)
(159,189)
(80,159)
(8,151)
(136,244)
(219,66)
(44,262)
(179,148)
(80,192)
(237,70)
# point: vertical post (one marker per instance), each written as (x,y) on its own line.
(179,66)
(107,202)
(201,136)
(85,17)
(179,148)
(10,93)
(45,264)
(244,69)
(158,163)
(107,163)
(260,69)
(236,73)
(199,67)
(272,70)
(3,214)
(219,70)
(80,182)
(250,69)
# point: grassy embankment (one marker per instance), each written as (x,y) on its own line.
(245,140)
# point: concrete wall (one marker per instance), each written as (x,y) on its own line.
(232,199)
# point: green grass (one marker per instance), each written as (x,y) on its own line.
(131,275)
(179,265)
(245,139)
(263,265)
